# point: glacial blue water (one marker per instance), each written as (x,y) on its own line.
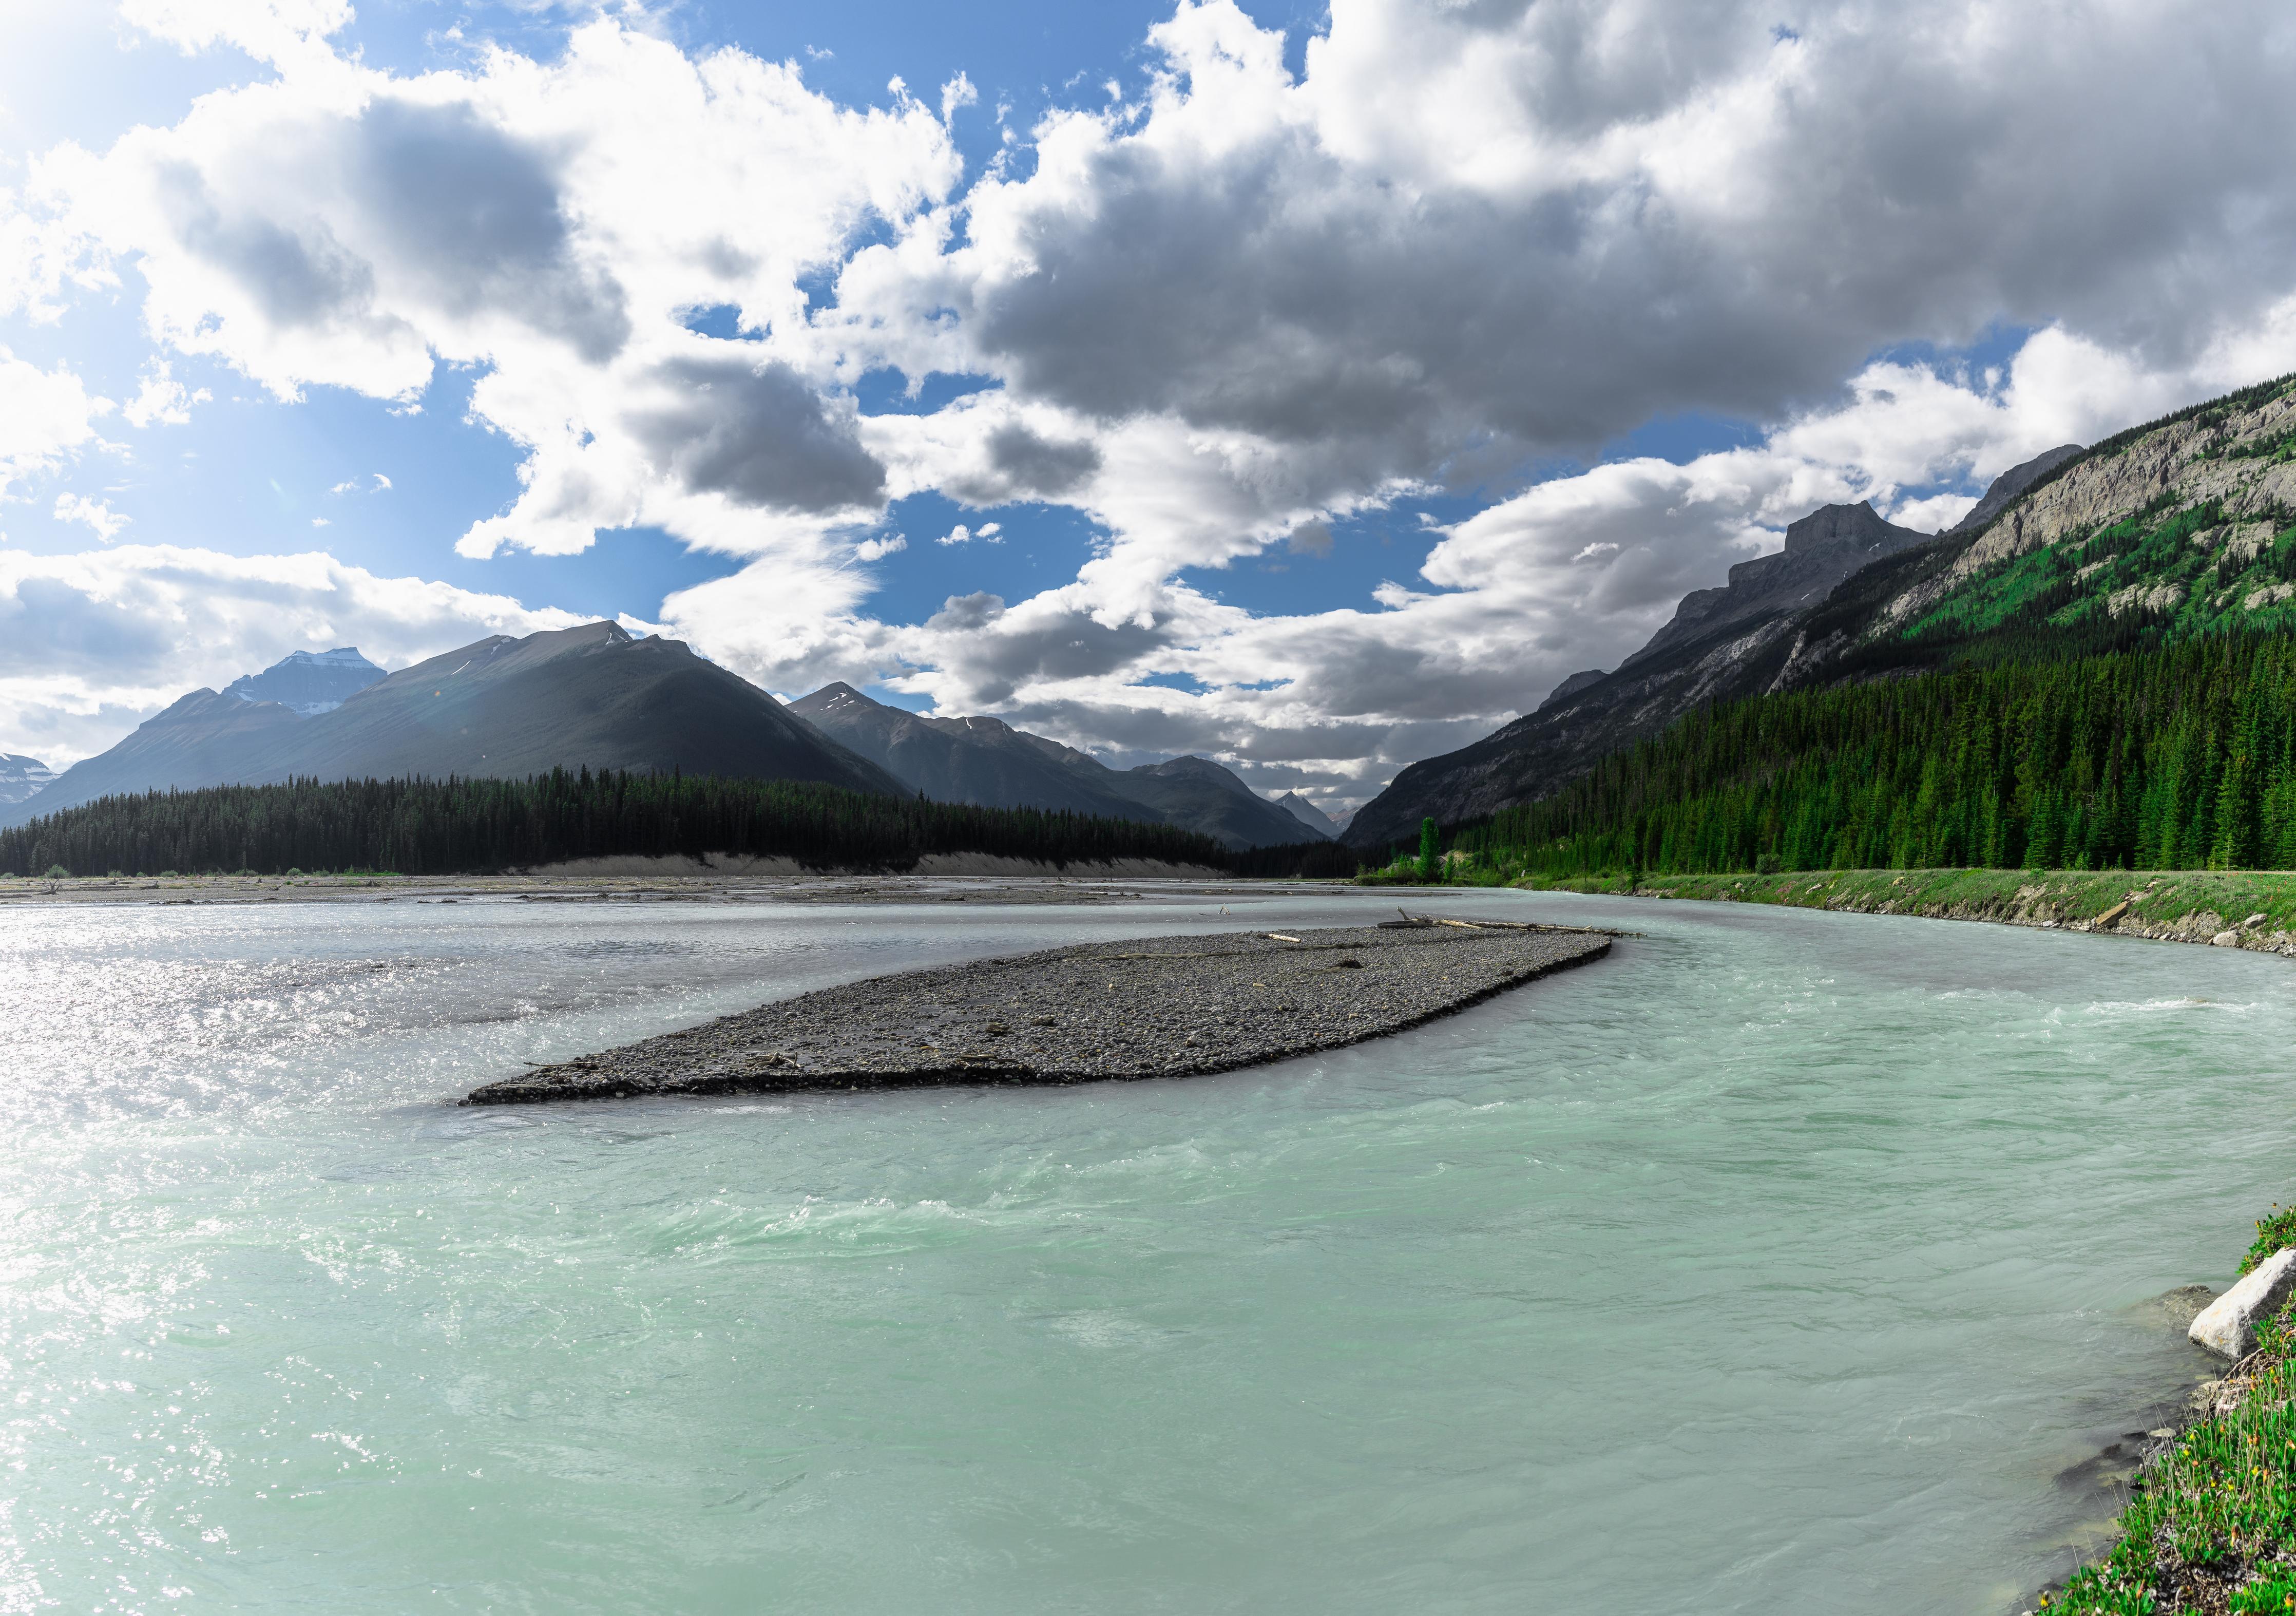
(1785,1262)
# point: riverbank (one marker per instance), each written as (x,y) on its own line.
(1153,1007)
(653,882)
(2211,1525)
(2254,909)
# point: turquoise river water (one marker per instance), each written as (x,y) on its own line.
(1785,1262)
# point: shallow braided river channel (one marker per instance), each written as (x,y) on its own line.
(1781,1262)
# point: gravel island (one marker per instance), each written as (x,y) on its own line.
(1156,1007)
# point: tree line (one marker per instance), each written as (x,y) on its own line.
(2180,757)
(458,826)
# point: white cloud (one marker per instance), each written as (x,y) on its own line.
(958,91)
(321,521)
(93,643)
(296,229)
(958,535)
(162,398)
(45,417)
(99,516)
(271,30)
(877,549)
(354,486)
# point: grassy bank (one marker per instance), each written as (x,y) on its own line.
(2210,1524)
(2258,906)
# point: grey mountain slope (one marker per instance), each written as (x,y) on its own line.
(987,762)
(1821,549)
(2011,483)
(20,776)
(501,707)
(983,762)
(1307,814)
(205,738)
(1721,644)
(1199,794)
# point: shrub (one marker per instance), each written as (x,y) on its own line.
(1766,865)
(2273,1230)
(292,872)
(57,871)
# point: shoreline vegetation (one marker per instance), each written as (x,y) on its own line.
(2210,1528)
(2252,909)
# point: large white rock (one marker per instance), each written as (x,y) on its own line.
(2227,1325)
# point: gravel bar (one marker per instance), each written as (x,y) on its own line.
(1155,1007)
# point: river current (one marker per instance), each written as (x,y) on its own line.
(1784,1262)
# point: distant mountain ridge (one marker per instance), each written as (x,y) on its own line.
(1307,814)
(988,762)
(20,776)
(591,695)
(1721,644)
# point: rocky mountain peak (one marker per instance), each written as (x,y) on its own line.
(309,682)
(20,776)
(1859,525)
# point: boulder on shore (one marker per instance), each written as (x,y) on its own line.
(2227,1325)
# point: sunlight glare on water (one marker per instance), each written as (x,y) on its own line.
(1785,1262)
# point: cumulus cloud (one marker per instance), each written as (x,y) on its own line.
(756,434)
(93,643)
(550,223)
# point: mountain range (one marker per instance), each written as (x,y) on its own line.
(590,695)
(2157,534)
(988,762)
(1721,644)
(595,695)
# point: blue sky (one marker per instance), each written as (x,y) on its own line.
(1331,396)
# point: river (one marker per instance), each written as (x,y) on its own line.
(1784,1262)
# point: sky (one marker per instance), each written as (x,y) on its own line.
(1310,388)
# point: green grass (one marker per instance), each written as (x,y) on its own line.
(2274,1230)
(2197,903)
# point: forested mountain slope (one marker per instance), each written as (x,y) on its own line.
(1720,642)
(2175,758)
(2163,532)
(2104,676)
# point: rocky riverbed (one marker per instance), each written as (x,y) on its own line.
(1157,1007)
